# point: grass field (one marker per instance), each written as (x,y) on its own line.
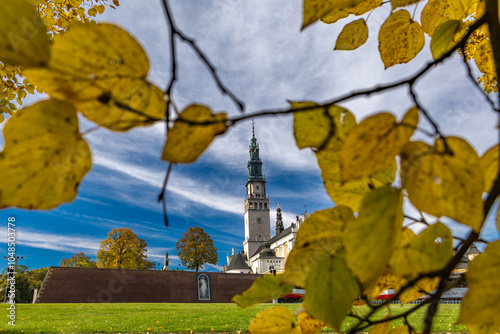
(170,318)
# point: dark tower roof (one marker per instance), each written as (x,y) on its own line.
(279,221)
(254,164)
(237,263)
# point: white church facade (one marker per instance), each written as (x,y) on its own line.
(261,252)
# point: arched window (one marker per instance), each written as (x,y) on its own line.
(265,205)
(260,205)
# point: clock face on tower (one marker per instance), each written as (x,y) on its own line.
(258,220)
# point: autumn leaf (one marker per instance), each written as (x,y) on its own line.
(480,305)
(361,8)
(102,70)
(315,127)
(370,241)
(436,12)
(352,36)
(44,158)
(185,141)
(309,324)
(453,182)
(375,143)
(265,288)
(489,166)
(350,193)
(316,9)
(274,320)
(400,39)
(402,3)
(331,289)
(23,37)
(446,36)
(318,237)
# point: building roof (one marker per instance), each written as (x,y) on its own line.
(277,237)
(473,250)
(237,263)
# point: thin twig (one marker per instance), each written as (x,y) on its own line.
(162,196)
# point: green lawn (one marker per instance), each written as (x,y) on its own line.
(170,318)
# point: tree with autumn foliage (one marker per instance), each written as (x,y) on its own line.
(78,260)
(196,248)
(122,249)
(358,248)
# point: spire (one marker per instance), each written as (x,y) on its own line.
(279,221)
(254,164)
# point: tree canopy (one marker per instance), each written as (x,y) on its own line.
(122,249)
(78,260)
(196,248)
(356,249)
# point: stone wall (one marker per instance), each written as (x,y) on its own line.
(91,285)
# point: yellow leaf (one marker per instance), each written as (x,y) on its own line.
(313,128)
(44,158)
(481,306)
(102,70)
(100,8)
(446,36)
(265,288)
(427,252)
(402,3)
(489,166)
(331,289)
(350,193)
(400,39)
(486,328)
(186,142)
(370,241)
(2,117)
(484,58)
(361,8)
(352,36)
(316,9)
(375,143)
(274,320)
(309,324)
(318,237)
(436,12)
(23,37)
(386,281)
(325,225)
(417,291)
(381,328)
(442,184)
(92,11)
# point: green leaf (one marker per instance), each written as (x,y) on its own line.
(313,128)
(371,241)
(265,288)
(481,304)
(102,70)
(443,184)
(400,39)
(436,12)
(429,251)
(318,237)
(44,158)
(446,36)
(331,289)
(375,143)
(274,320)
(352,36)
(185,141)
(23,37)
(316,9)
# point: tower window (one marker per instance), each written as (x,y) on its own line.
(265,205)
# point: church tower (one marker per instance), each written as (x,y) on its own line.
(279,221)
(257,218)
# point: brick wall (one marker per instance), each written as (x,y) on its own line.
(91,285)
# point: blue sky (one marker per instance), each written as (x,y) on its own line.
(265,60)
